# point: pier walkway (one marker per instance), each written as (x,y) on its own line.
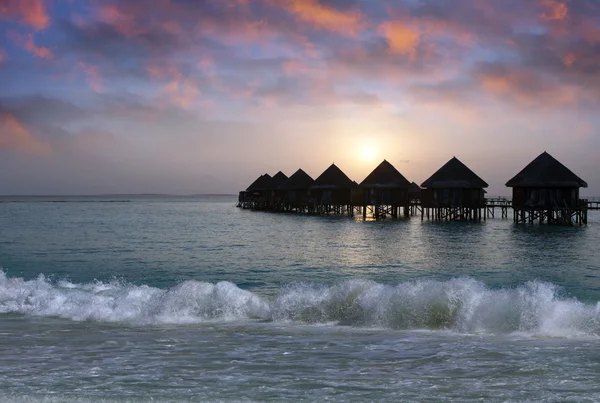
(593,204)
(493,207)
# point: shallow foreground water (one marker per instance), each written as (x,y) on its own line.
(187,299)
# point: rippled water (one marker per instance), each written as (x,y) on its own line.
(187,299)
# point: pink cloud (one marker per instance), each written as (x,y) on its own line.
(29,12)
(230,22)
(182,92)
(39,51)
(591,32)
(172,27)
(569,58)
(28,43)
(179,90)
(554,10)
(92,76)
(283,50)
(123,20)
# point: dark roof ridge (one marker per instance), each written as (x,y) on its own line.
(298,181)
(546,171)
(385,175)
(263,182)
(333,177)
(454,174)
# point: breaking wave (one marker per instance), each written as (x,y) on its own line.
(462,305)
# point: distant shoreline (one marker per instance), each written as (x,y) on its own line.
(108,198)
(119,195)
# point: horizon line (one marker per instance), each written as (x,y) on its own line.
(118,195)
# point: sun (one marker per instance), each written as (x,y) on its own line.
(367,152)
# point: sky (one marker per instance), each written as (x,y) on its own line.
(203,96)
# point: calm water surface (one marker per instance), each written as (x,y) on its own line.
(187,299)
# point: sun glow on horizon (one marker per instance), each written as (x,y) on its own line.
(367,152)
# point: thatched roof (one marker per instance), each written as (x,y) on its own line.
(454,174)
(263,182)
(300,180)
(278,179)
(333,177)
(385,176)
(546,171)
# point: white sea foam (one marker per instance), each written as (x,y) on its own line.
(188,302)
(462,305)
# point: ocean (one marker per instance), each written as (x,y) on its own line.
(181,299)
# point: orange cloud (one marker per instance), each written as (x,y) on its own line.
(554,10)
(528,89)
(180,90)
(499,83)
(29,12)
(590,32)
(324,17)
(569,59)
(15,136)
(402,38)
(121,20)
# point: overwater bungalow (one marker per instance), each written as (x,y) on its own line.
(386,190)
(331,192)
(544,190)
(454,192)
(256,195)
(274,195)
(295,192)
(245,196)
(278,179)
(547,191)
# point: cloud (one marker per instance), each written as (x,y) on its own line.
(188,54)
(523,86)
(27,42)
(15,136)
(39,51)
(322,16)
(92,76)
(39,111)
(182,92)
(178,89)
(554,10)
(29,12)
(402,38)
(102,40)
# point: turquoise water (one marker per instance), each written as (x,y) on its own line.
(189,298)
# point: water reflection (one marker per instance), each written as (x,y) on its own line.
(164,243)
